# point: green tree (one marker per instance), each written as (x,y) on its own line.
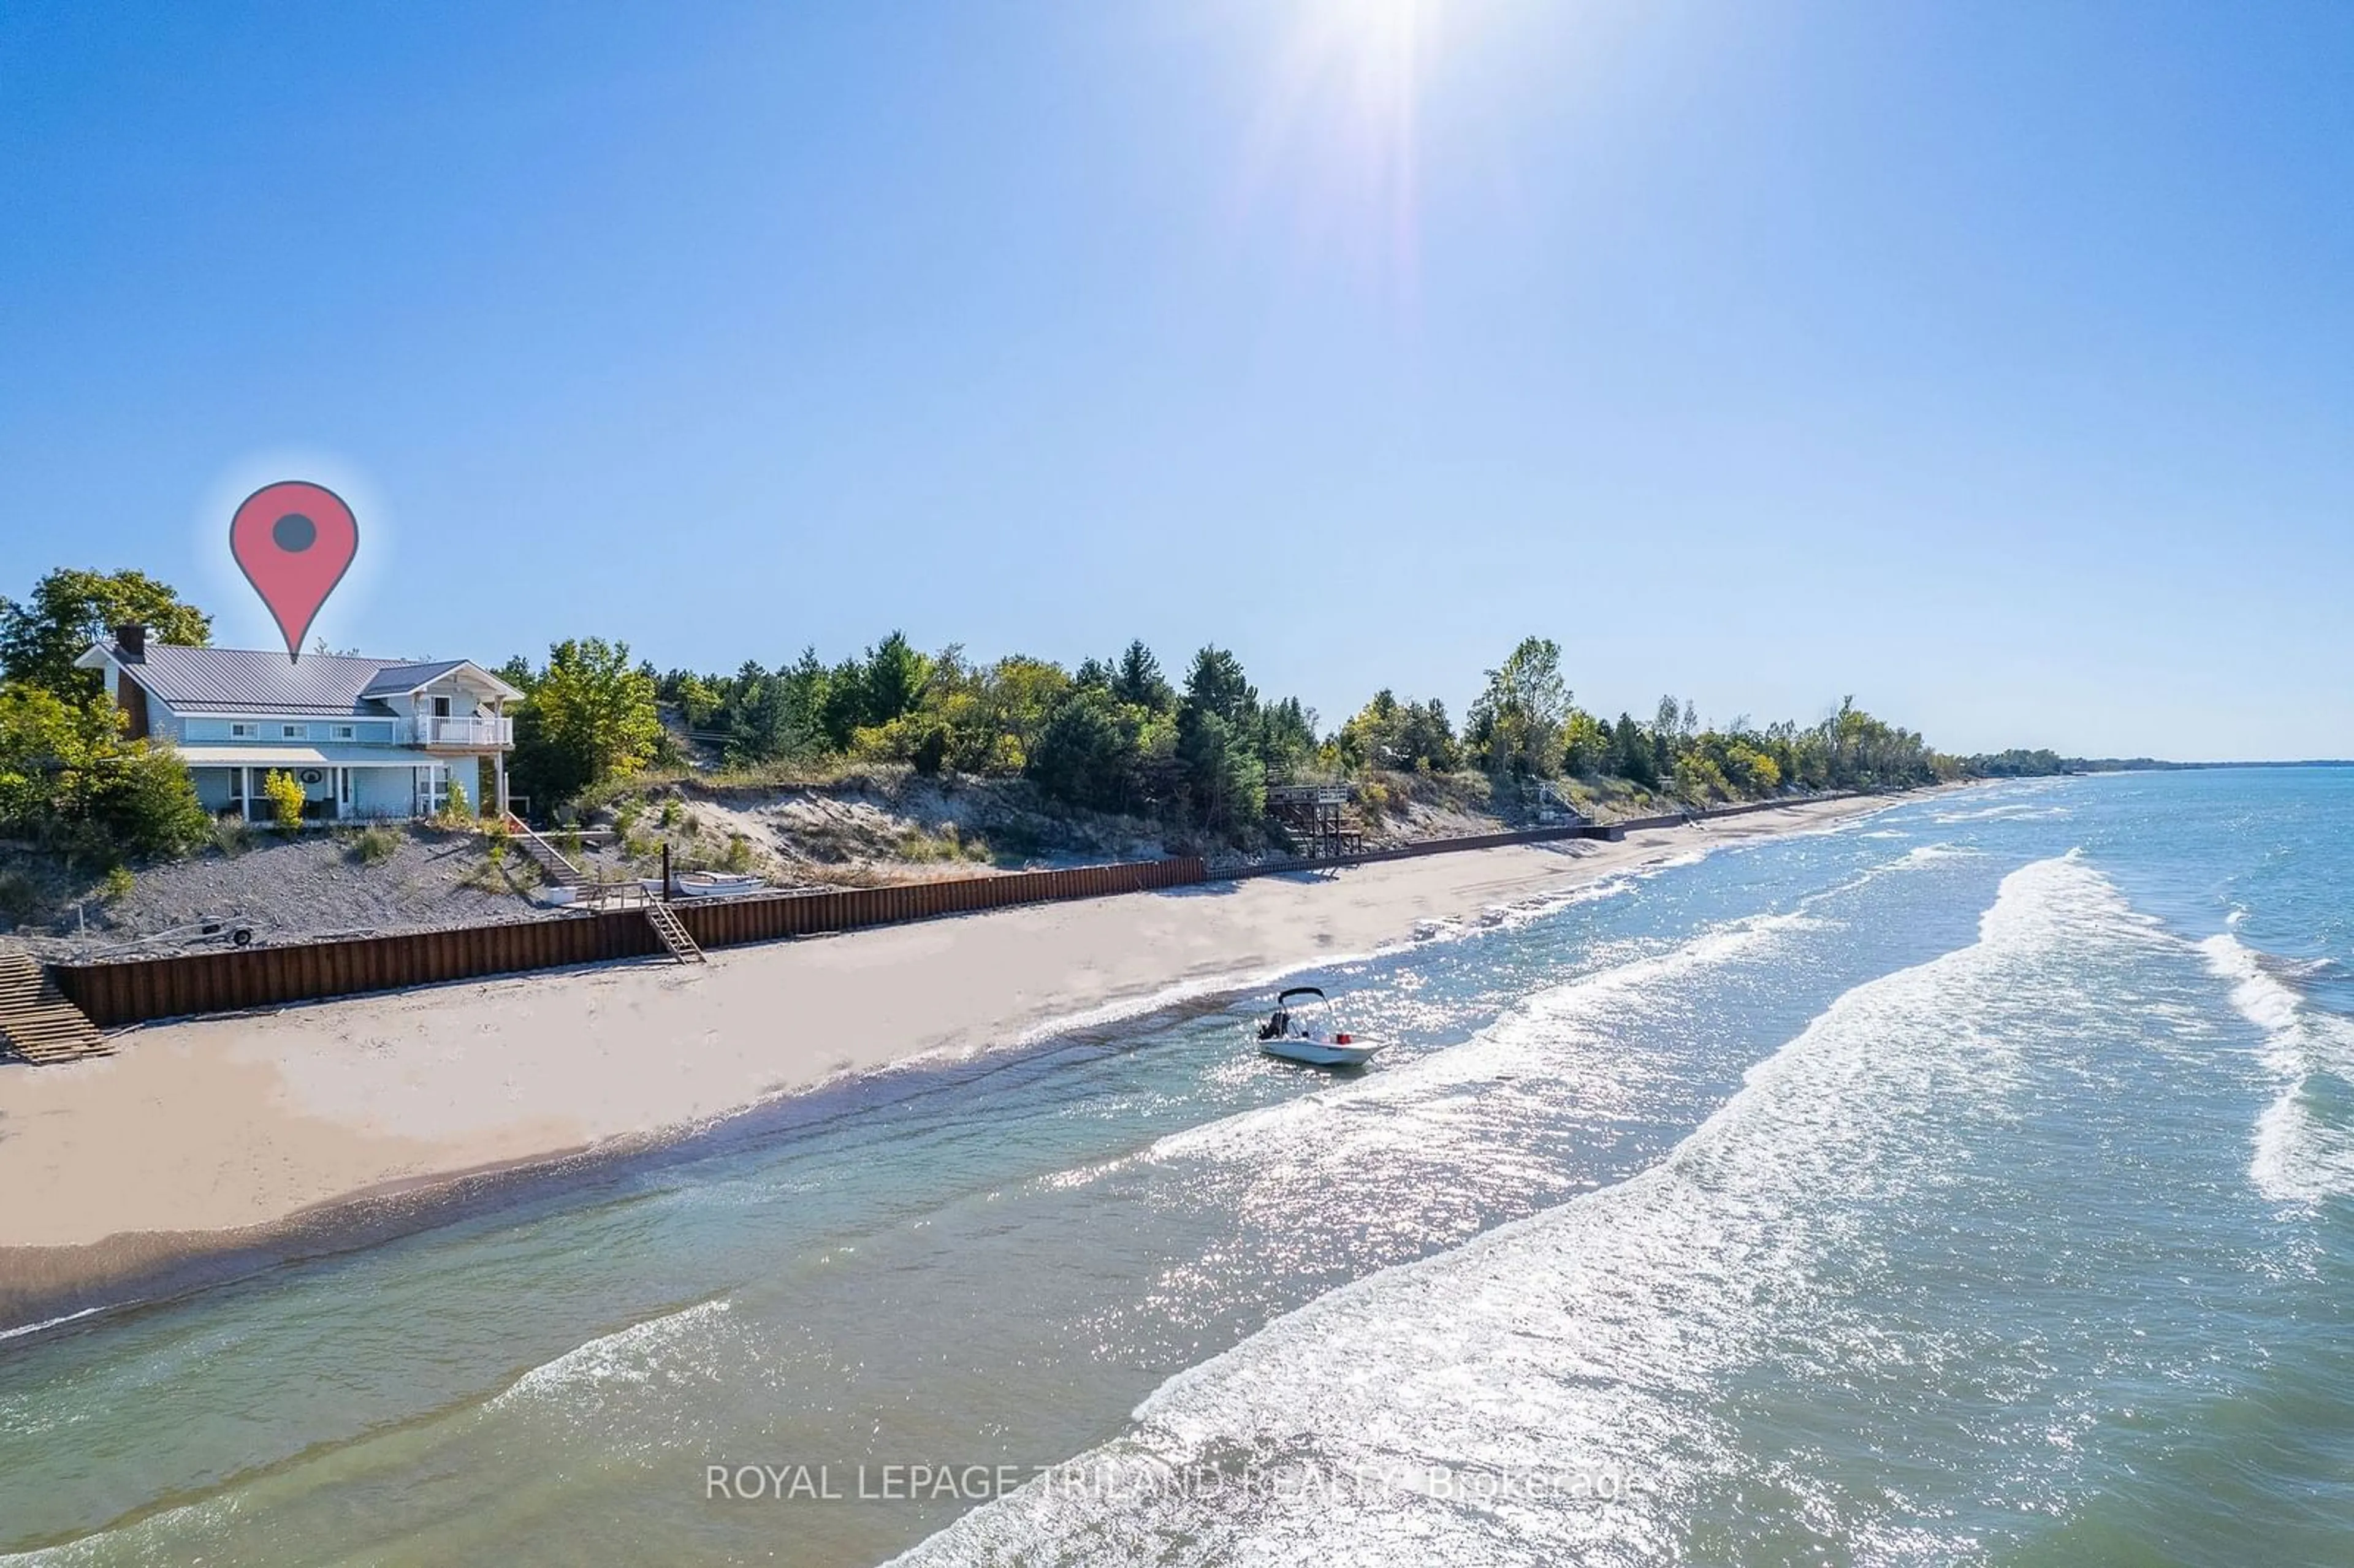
(1699,779)
(70,609)
(1085,754)
(589,715)
(894,678)
(47,744)
(1631,757)
(771,717)
(1425,739)
(69,782)
(1216,685)
(1585,744)
(1752,772)
(844,710)
(1515,727)
(1138,681)
(1285,738)
(697,702)
(1370,740)
(146,802)
(1226,783)
(1218,732)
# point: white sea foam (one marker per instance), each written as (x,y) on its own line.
(1600,1334)
(46,1324)
(631,1357)
(1566,1031)
(2303,1154)
(1548,1032)
(176,1535)
(2005,813)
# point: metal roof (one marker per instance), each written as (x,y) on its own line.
(259,680)
(400,680)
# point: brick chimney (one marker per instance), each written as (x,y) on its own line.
(131,643)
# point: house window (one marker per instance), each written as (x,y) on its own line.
(441,707)
(244,731)
(290,731)
(345,731)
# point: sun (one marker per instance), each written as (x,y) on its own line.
(1371,51)
(1341,121)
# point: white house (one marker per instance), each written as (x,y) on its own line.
(367,737)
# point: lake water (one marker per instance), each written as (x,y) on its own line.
(1968,1183)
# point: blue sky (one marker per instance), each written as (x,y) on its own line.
(1989,362)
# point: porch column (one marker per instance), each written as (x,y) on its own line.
(244,789)
(499,772)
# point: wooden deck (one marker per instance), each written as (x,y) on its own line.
(1318,818)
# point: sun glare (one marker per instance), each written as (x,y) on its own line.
(1341,123)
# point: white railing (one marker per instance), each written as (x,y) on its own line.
(424,730)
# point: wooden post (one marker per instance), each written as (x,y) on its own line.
(665,891)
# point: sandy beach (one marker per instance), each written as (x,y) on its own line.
(214,1135)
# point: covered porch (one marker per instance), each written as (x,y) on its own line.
(344,784)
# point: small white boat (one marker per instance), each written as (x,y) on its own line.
(713,883)
(1303,1028)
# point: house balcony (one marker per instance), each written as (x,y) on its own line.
(477,734)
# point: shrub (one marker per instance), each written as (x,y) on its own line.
(149,805)
(914,843)
(116,885)
(375,844)
(20,898)
(1698,780)
(671,810)
(284,793)
(232,836)
(739,854)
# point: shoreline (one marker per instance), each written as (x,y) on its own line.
(213,1150)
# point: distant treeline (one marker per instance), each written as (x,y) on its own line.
(1198,753)
(2018,764)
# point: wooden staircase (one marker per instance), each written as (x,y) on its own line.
(37,1022)
(672,932)
(553,865)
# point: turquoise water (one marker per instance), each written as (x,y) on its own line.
(1968,1184)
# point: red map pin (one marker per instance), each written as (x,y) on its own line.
(294,541)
